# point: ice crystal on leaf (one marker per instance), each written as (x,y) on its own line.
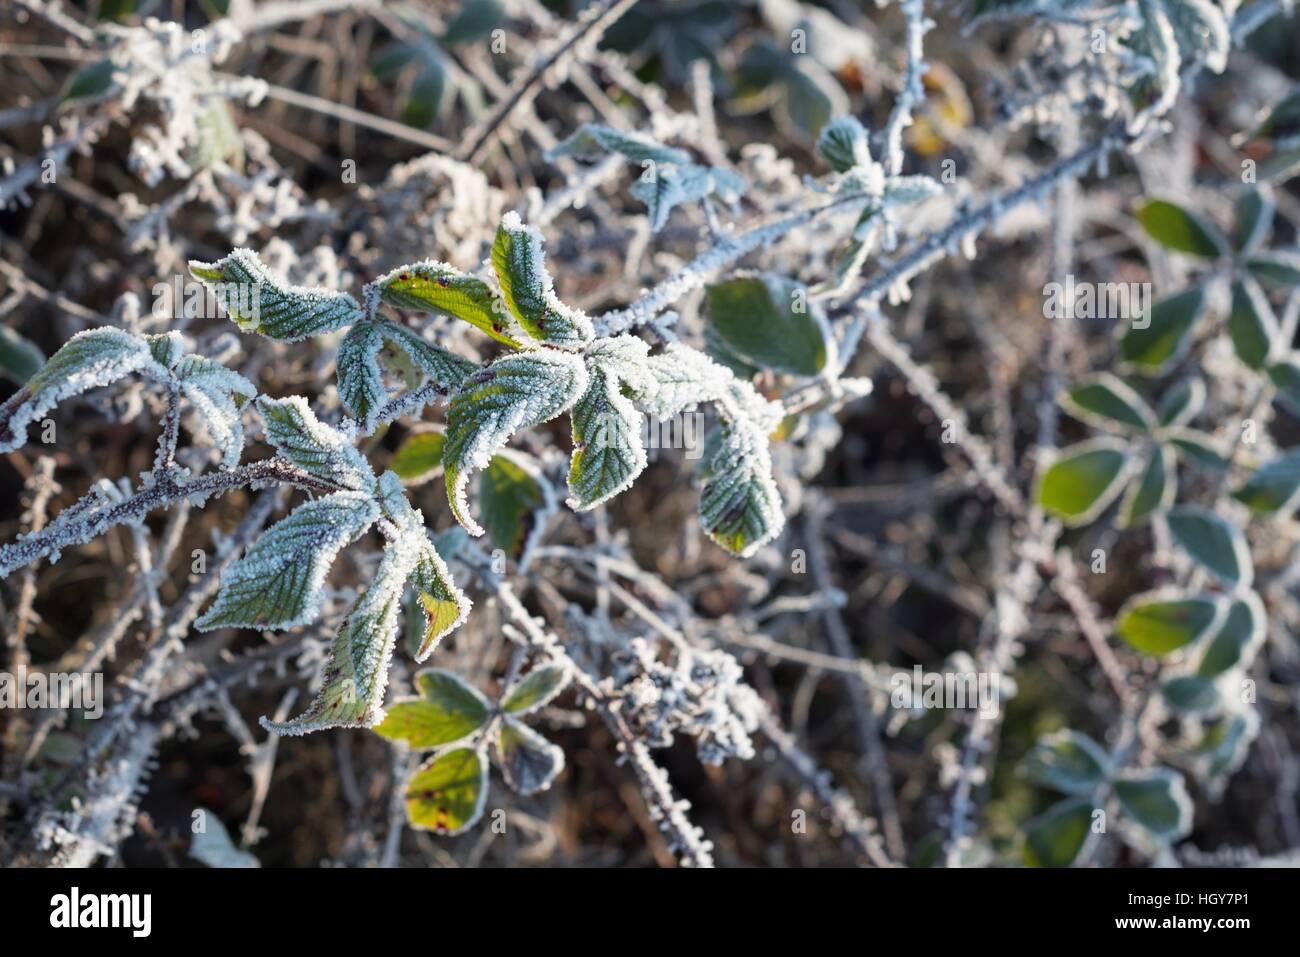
(260,302)
(278,583)
(515,392)
(671,186)
(218,394)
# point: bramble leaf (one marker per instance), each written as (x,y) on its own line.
(20,358)
(447,794)
(445,606)
(608,452)
(1157,800)
(770,322)
(1251,325)
(529,292)
(1149,348)
(1080,484)
(591,141)
(1068,762)
(218,394)
(740,506)
(447,710)
(278,583)
(528,761)
(515,392)
(1212,541)
(844,144)
(258,301)
(1058,836)
(310,444)
(1103,401)
(511,497)
(672,186)
(436,287)
(535,690)
(1235,642)
(361,380)
(1157,625)
(419,457)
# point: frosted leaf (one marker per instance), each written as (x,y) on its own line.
(310,444)
(89,360)
(1201,30)
(1157,43)
(356,673)
(902,190)
(520,264)
(675,185)
(218,394)
(681,378)
(445,606)
(436,287)
(535,690)
(529,763)
(843,143)
(278,583)
(515,392)
(20,358)
(608,453)
(740,506)
(166,349)
(212,846)
(259,302)
(443,367)
(594,140)
(361,381)
(446,711)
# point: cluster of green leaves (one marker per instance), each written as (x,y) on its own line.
(459,724)
(419,65)
(1152,802)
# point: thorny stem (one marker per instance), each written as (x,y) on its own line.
(669,813)
(166,490)
(591,25)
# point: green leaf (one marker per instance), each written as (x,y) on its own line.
(389,60)
(1251,325)
(1154,491)
(812,97)
(1149,346)
(419,457)
(1079,485)
(1225,746)
(1274,485)
(535,690)
(257,301)
(529,762)
(424,99)
(1157,800)
(90,82)
(662,189)
(446,711)
(769,322)
(1177,228)
(1255,210)
(1285,376)
(89,360)
(608,452)
(437,364)
(279,582)
(511,497)
(1190,694)
(1277,267)
(1104,400)
(445,606)
(361,381)
(1282,121)
(436,287)
(591,141)
(844,144)
(1156,625)
(1068,762)
(740,507)
(514,392)
(1212,542)
(1057,837)
(520,263)
(20,358)
(475,20)
(356,672)
(1181,403)
(447,794)
(218,394)
(1198,447)
(310,444)
(1237,639)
